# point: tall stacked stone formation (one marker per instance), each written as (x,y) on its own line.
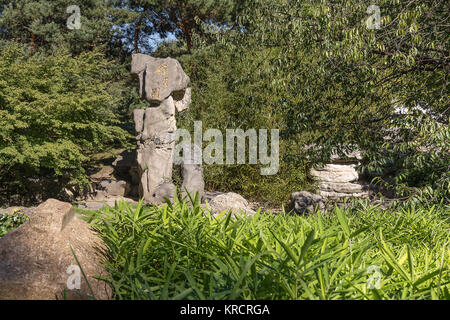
(336,181)
(164,84)
(340,179)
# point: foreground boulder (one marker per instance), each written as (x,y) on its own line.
(232,202)
(36,261)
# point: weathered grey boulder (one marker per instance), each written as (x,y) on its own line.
(162,192)
(103,173)
(306,202)
(164,83)
(183,100)
(192,174)
(231,202)
(159,78)
(335,173)
(36,262)
(342,187)
(155,153)
(115,188)
(138,117)
(192,181)
(339,181)
(160,124)
(155,165)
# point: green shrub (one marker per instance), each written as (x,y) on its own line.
(233,89)
(55,112)
(315,71)
(178,252)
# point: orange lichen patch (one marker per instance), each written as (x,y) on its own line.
(162,69)
(155,93)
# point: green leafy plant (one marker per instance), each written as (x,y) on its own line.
(9,222)
(179,251)
(55,113)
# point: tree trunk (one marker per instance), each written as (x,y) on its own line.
(137,32)
(184,26)
(33,43)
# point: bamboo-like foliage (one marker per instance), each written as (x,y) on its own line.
(179,251)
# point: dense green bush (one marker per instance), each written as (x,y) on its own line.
(55,112)
(234,89)
(178,252)
(42,25)
(417,166)
(316,72)
(312,69)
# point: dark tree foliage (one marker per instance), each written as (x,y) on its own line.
(42,25)
(144,21)
(332,84)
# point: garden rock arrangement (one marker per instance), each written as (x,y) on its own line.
(340,178)
(115,188)
(35,259)
(164,84)
(336,181)
(117,180)
(147,172)
(126,169)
